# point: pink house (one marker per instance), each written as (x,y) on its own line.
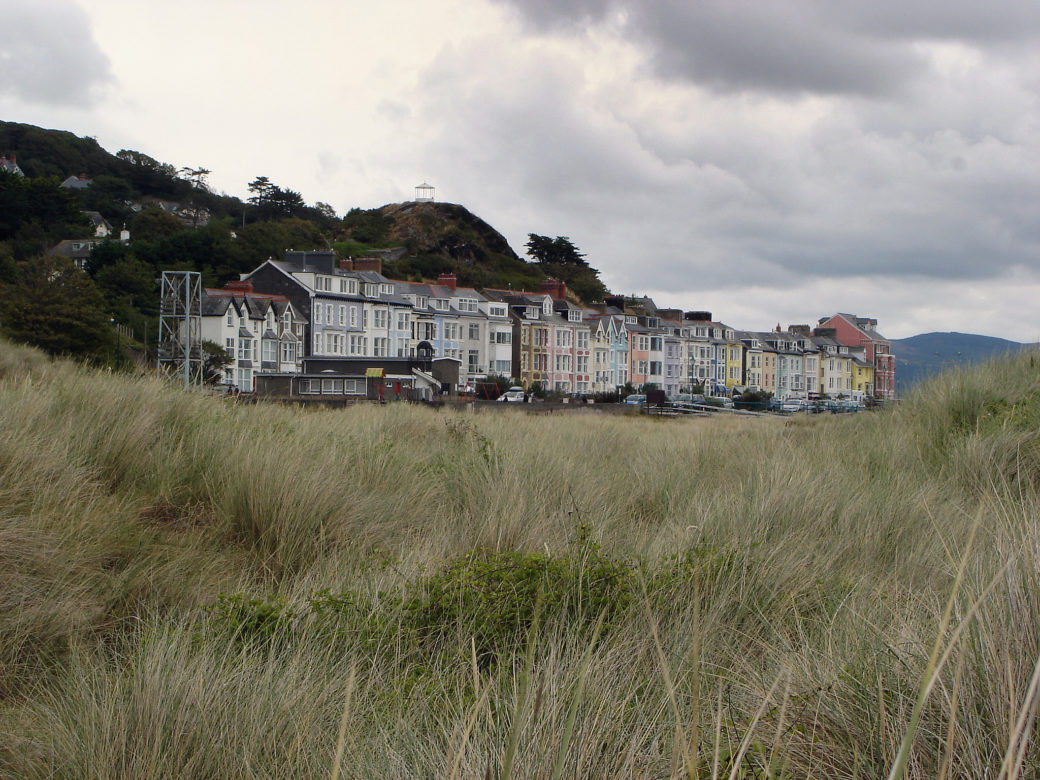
(853,331)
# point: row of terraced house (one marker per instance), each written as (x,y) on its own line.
(322,320)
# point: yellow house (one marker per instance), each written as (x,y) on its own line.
(862,378)
(734,362)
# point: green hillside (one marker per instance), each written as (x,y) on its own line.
(177,223)
(919,357)
(191,587)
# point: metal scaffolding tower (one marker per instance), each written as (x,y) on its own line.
(180,327)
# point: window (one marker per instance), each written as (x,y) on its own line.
(358,345)
(583,339)
(231,317)
(474,329)
(229,346)
(270,351)
(317,343)
(441,304)
(541,337)
(503,337)
(364,319)
(655,367)
(497,310)
(563,362)
(287,319)
(317,313)
(353,316)
(402,320)
(288,351)
(245,380)
(342,315)
(467,304)
(573,315)
(245,349)
(644,343)
(504,367)
(655,344)
(563,338)
(472,361)
(380,347)
(541,362)
(583,364)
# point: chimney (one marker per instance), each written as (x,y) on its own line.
(555,288)
(243,286)
(448,280)
(347,264)
(616,301)
(368,264)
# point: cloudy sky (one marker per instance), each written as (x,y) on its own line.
(767,161)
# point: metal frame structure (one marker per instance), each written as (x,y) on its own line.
(180,327)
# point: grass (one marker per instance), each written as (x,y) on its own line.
(190,587)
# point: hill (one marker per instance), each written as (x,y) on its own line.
(919,357)
(435,238)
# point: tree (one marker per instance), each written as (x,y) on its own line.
(197,178)
(53,305)
(153,223)
(215,361)
(556,251)
(560,259)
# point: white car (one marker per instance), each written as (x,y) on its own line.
(514,395)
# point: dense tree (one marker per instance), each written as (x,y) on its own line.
(25,200)
(53,305)
(557,251)
(560,259)
(154,223)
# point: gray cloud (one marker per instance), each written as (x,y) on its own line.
(48,54)
(935,184)
(812,46)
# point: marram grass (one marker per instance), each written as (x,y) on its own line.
(194,588)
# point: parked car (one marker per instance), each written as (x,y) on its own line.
(514,395)
(635,399)
(792,406)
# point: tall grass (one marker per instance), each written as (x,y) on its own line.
(780,591)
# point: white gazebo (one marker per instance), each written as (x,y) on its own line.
(424,193)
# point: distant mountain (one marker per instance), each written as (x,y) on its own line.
(921,356)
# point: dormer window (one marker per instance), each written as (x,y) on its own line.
(574,315)
(441,304)
(631,320)
(386,289)
(531,313)
(497,310)
(371,290)
(547,307)
(422,302)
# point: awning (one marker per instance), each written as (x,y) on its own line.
(375,372)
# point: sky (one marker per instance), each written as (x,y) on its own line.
(770,162)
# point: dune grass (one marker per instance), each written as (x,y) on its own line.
(195,588)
